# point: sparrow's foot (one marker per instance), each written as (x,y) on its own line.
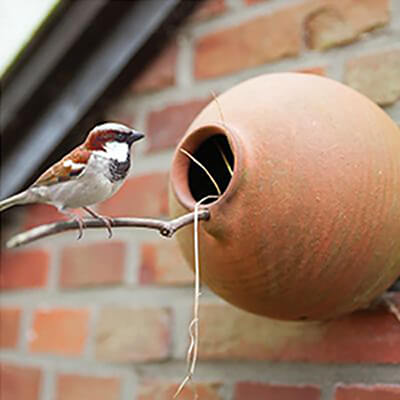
(81,224)
(106,220)
(78,219)
(108,224)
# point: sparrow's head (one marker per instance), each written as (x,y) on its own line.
(110,133)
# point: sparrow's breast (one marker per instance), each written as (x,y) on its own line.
(101,179)
(118,170)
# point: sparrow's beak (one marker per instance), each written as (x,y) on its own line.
(135,136)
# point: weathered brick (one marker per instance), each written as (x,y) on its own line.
(208,9)
(163,264)
(59,331)
(334,23)
(165,127)
(165,391)
(24,269)
(258,41)
(257,391)
(161,71)
(92,264)
(141,196)
(365,336)
(376,75)
(367,392)
(126,334)
(326,28)
(365,15)
(78,387)
(19,383)
(324,23)
(9,327)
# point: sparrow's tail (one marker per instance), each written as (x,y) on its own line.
(24,197)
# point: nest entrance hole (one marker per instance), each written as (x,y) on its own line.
(216,155)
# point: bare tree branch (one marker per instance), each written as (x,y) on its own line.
(166,228)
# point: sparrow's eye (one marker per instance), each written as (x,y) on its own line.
(120,137)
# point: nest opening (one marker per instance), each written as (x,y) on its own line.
(216,155)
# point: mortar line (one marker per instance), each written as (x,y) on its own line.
(48,390)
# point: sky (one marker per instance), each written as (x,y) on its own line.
(19,19)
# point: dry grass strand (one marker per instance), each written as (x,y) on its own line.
(221,115)
(392,307)
(192,352)
(228,166)
(204,169)
(193,349)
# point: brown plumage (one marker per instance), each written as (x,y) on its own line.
(59,172)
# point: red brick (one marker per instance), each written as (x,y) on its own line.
(59,331)
(40,214)
(208,9)
(122,113)
(252,2)
(365,336)
(166,127)
(141,196)
(19,383)
(324,23)
(126,334)
(370,392)
(9,327)
(257,391)
(24,269)
(376,75)
(92,264)
(77,387)
(321,71)
(334,23)
(160,73)
(258,41)
(163,264)
(165,391)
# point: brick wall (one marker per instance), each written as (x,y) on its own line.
(107,320)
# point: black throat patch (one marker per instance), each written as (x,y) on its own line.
(118,169)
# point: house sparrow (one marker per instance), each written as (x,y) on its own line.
(89,174)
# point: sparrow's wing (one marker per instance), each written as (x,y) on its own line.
(67,169)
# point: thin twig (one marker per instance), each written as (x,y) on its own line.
(166,228)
